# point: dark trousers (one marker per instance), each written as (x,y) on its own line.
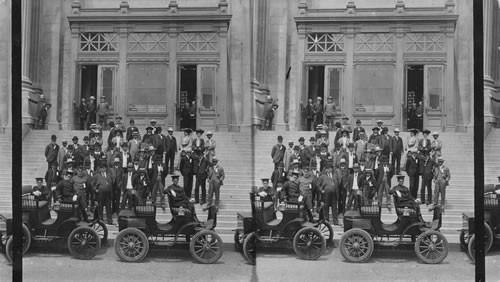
(353,200)
(309,124)
(127,200)
(142,195)
(115,200)
(42,123)
(341,200)
(188,183)
(308,206)
(158,188)
(83,120)
(440,188)
(396,163)
(330,199)
(213,187)
(104,200)
(426,184)
(169,162)
(413,185)
(103,119)
(330,121)
(200,181)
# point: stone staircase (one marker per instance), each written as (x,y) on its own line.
(6,174)
(457,152)
(233,151)
(492,157)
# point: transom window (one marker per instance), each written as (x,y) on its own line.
(98,42)
(325,42)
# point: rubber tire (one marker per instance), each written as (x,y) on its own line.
(142,240)
(239,237)
(463,244)
(219,245)
(92,233)
(327,225)
(101,224)
(488,236)
(319,238)
(249,248)
(8,248)
(471,249)
(420,240)
(366,239)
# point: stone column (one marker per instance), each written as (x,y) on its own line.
(489,12)
(121,106)
(347,95)
(28,108)
(5,63)
(282,15)
(53,93)
(400,78)
(225,105)
(172,102)
(296,94)
(449,96)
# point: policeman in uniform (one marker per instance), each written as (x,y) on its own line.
(41,192)
(178,196)
(403,195)
(291,191)
(266,192)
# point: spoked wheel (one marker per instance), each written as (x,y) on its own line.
(131,245)
(309,243)
(472,248)
(249,248)
(488,238)
(356,245)
(26,243)
(83,242)
(431,247)
(463,240)
(238,240)
(101,230)
(327,230)
(206,246)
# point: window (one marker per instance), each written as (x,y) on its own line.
(434,86)
(147,88)
(374,91)
(325,42)
(98,42)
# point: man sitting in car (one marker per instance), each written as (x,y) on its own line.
(179,197)
(291,191)
(403,196)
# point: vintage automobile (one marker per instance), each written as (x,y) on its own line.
(363,228)
(82,238)
(139,229)
(491,222)
(268,226)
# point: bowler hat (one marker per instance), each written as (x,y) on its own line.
(85,138)
(312,139)
(400,177)
(175,177)
(302,139)
(75,138)
(376,128)
(265,180)
(296,148)
(149,127)
(39,179)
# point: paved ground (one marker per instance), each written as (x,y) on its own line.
(176,264)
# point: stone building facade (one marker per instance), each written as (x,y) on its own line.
(377,59)
(491,38)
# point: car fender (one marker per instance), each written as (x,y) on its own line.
(292,226)
(67,226)
(416,224)
(188,228)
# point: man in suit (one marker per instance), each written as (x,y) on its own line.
(85,148)
(200,170)
(358,129)
(342,176)
(52,177)
(383,175)
(367,187)
(119,124)
(186,168)
(61,153)
(198,142)
(103,188)
(309,113)
(360,145)
(130,130)
(41,192)
(216,178)
(329,187)
(64,188)
(397,150)
(178,196)
(288,156)
(134,145)
(351,157)
(412,168)
(426,169)
(156,177)
(171,150)
(318,111)
(278,178)
(127,187)
(346,126)
(159,143)
(436,146)
(385,142)
(210,145)
(374,138)
(337,133)
(91,109)
(116,172)
(354,188)
(441,180)
(337,155)
(124,155)
(148,137)
(278,152)
(344,141)
(404,197)
(141,185)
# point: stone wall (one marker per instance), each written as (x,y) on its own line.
(5,64)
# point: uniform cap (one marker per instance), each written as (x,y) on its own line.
(400,177)
(215,159)
(265,180)
(175,177)
(152,121)
(345,117)
(39,179)
(356,165)
(142,170)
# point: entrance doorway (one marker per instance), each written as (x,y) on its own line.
(97,81)
(197,88)
(414,97)
(187,95)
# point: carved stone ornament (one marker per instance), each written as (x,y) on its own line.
(449,6)
(223,6)
(173,6)
(75,7)
(302,8)
(400,7)
(124,7)
(351,8)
